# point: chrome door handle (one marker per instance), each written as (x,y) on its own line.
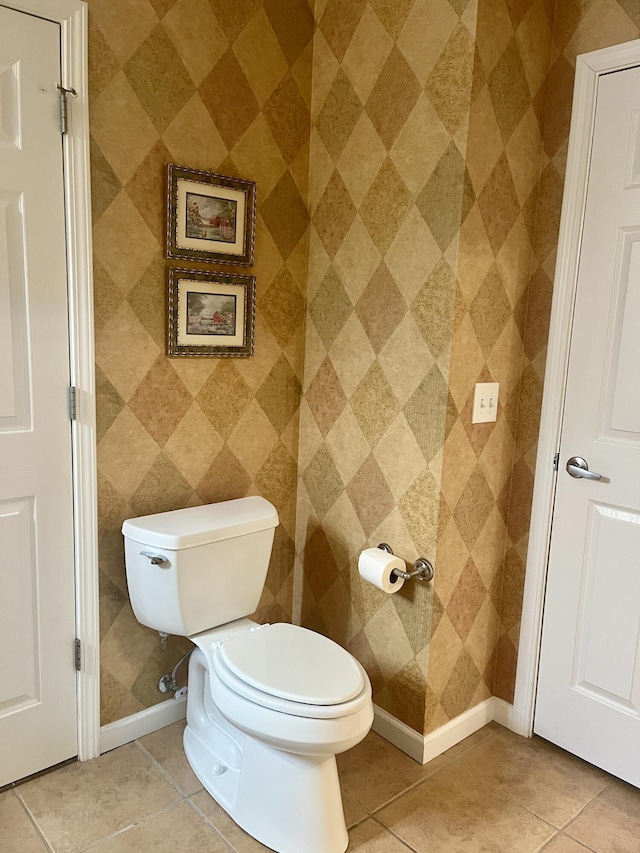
(577,467)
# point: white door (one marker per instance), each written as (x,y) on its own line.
(589,679)
(37,611)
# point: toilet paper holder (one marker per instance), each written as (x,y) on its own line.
(422,568)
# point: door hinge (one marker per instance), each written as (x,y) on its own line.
(556,461)
(73,406)
(64,94)
(77,654)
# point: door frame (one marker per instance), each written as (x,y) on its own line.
(71,15)
(589,68)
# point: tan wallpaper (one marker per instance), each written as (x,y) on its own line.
(410,199)
(436,185)
(225,87)
(578,28)
(389,188)
(479,521)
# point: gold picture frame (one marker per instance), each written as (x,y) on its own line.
(210,217)
(210,313)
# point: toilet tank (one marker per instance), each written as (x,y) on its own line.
(193,569)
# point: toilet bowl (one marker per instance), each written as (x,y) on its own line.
(269,706)
(269,760)
(284,705)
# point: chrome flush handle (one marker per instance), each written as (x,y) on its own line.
(156,559)
(577,467)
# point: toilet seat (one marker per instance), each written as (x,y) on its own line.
(275,662)
(293,663)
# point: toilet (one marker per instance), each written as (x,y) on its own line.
(269,706)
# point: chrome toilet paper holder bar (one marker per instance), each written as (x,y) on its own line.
(422,568)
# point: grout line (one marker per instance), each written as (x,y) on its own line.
(581,810)
(113,835)
(393,799)
(455,761)
(579,843)
(520,805)
(446,762)
(164,772)
(505,796)
(488,732)
(35,823)
(120,831)
(131,826)
(210,823)
(358,822)
(366,815)
(546,843)
(395,835)
(558,828)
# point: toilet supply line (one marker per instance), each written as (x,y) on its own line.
(168,682)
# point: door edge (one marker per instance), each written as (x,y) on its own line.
(589,68)
(82,360)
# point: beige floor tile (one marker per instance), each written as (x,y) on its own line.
(471,741)
(374,789)
(238,838)
(452,812)
(611,823)
(370,837)
(85,802)
(165,746)
(562,844)
(17,833)
(353,812)
(546,780)
(178,828)
(482,796)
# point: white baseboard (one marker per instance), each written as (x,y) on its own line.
(143,723)
(422,748)
(457,729)
(398,733)
(504,713)
(425,748)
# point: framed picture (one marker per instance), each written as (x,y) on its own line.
(210,217)
(210,313)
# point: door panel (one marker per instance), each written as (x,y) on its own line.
(623,414)
(609,619)
(9,105)
(15,384)
(37,591)
(589,677)
(20,683)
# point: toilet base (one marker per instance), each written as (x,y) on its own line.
(289,802)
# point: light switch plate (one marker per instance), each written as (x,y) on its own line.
(485,402)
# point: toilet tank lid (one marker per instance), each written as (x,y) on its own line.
(202,525)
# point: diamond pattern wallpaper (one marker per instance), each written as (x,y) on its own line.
(389,191)
(215,86)
(435,275)
(409,156)
(577,28)
(477,499)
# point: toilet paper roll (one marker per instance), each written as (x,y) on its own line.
(376,566)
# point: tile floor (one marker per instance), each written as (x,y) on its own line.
(493,793)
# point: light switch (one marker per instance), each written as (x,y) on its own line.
(485,402)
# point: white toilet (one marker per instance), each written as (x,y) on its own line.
(269,706)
